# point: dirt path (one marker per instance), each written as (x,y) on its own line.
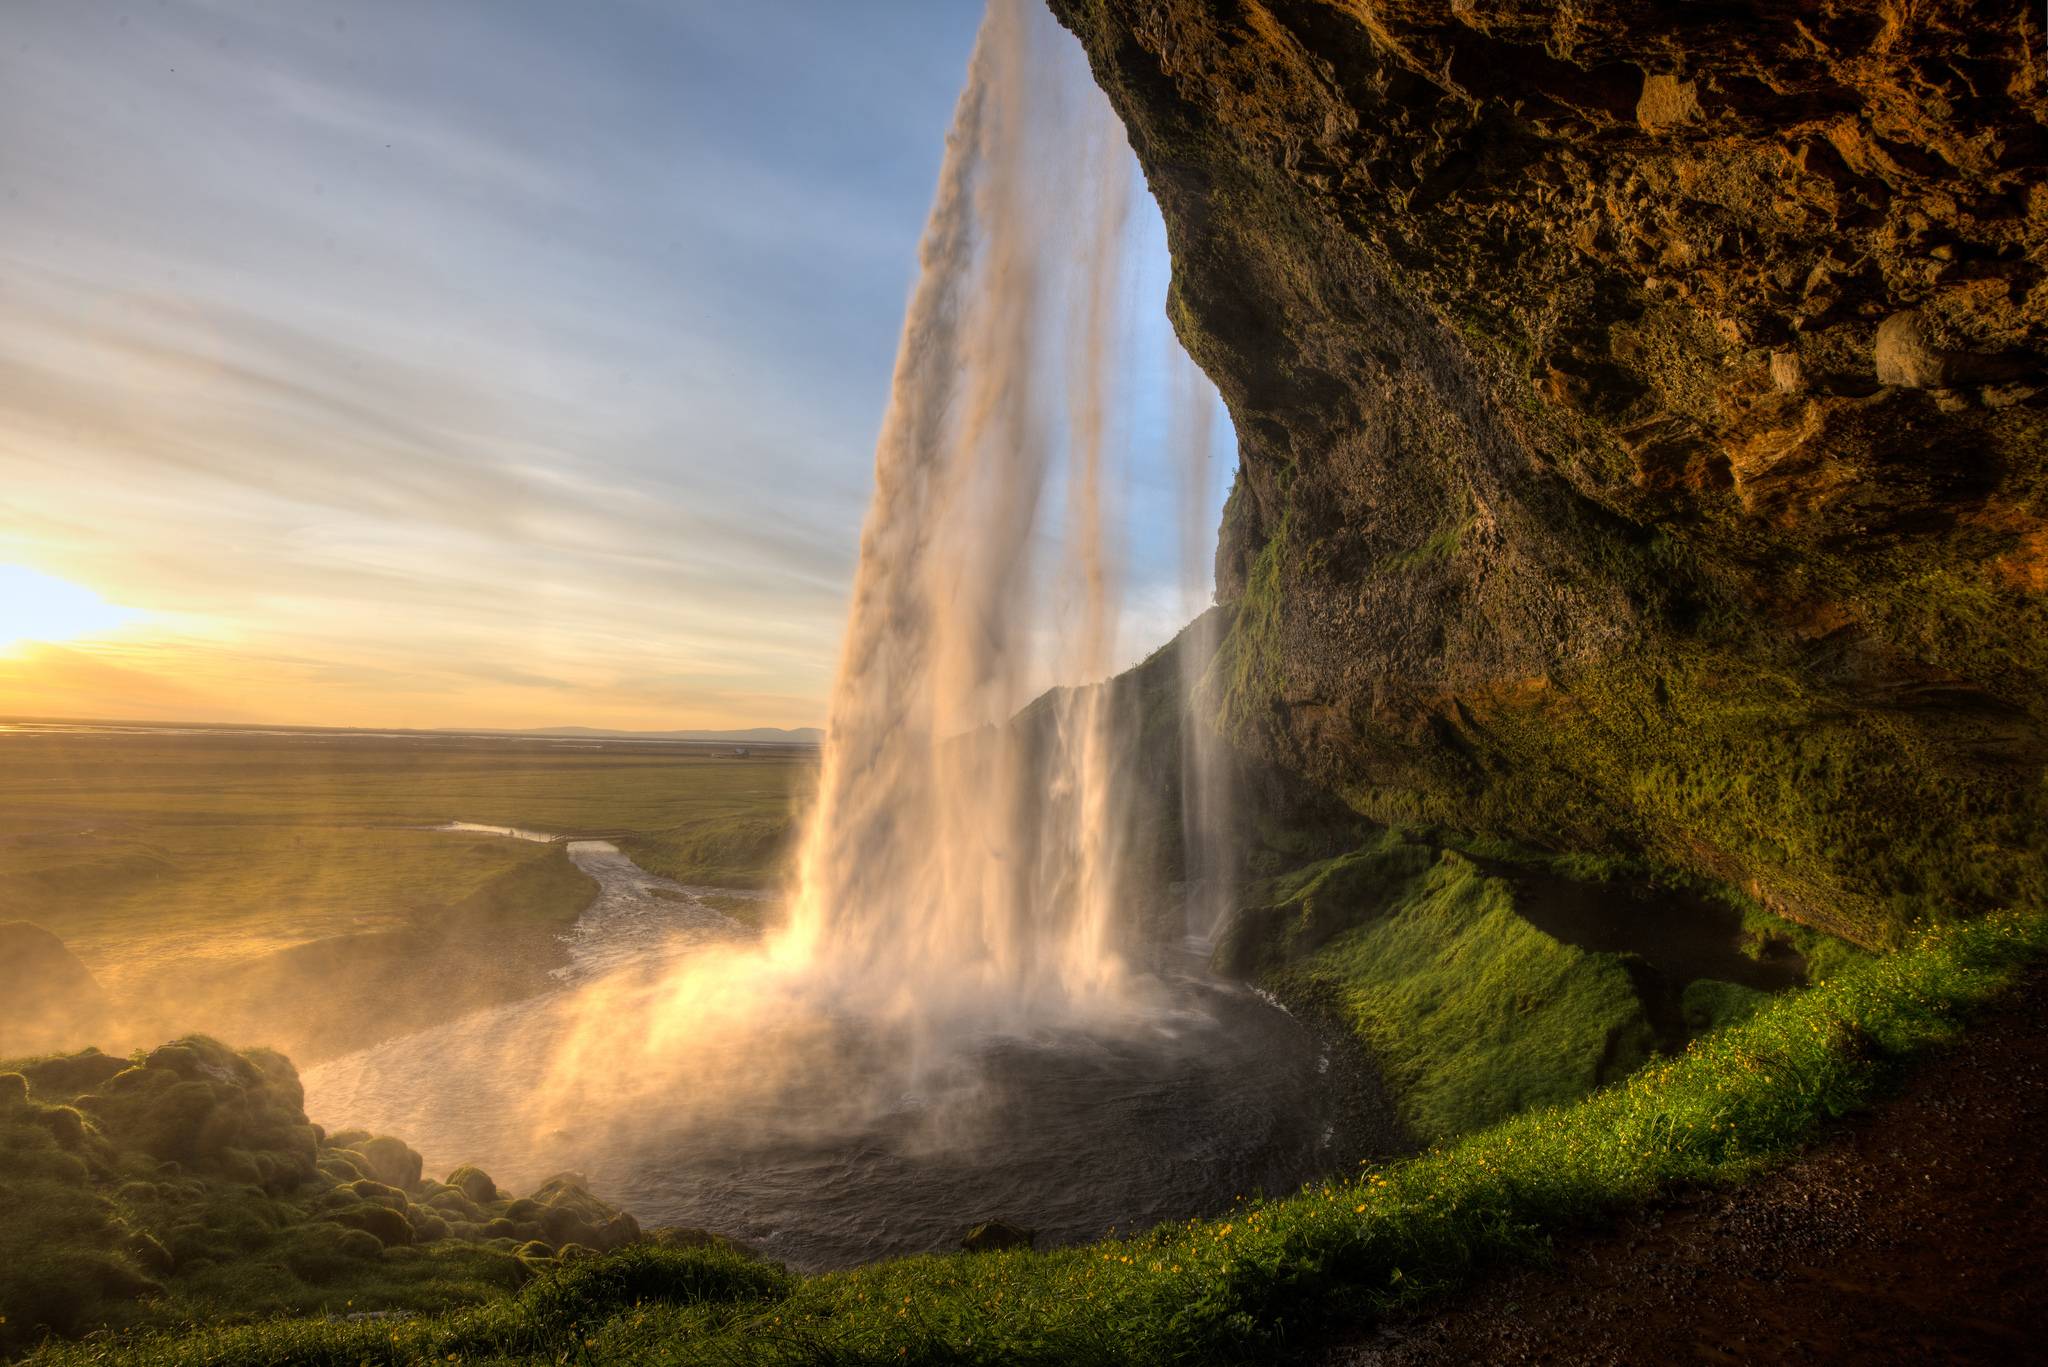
(1916,1234)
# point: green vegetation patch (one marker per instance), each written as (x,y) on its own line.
(1485,978)
(1271,1275)
(136,905)
(271,890)
(749,848)
(152,855)
(186,1184)
(1470,1012)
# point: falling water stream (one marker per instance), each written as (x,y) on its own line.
(959,1016)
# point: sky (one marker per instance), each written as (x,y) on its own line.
(432,363)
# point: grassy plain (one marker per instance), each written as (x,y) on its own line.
(168,857)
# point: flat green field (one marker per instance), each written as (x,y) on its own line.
(349,779)
(165,858)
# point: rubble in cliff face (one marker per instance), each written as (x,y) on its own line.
(1643,411)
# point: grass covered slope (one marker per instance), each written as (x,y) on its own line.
(136,903)
(1271,1275)
(1486,981)
(187,1184)
(1471,1013)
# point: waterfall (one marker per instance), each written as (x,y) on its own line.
(1208,799)
(956,852)
(961,1007)
(968,870)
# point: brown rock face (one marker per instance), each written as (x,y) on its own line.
(1642,410)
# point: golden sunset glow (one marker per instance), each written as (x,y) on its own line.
(39,607)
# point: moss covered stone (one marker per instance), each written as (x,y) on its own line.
(186,1183)
(474,1183)
(390,1161)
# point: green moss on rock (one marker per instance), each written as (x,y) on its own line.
(1471,1013)
(187,1184)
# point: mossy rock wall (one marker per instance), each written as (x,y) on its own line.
(1642,423)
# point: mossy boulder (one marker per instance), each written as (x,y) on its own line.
(198,1103)
(570,1214)
(390,1161)
(474,1183)
(188,1182)
(376,1193)
(324,1252)
(341,1167)
(66,1124)
(64,1076)
(427,1227)
(13,1091)
(390,1227)
(454,1205)
(991,1235)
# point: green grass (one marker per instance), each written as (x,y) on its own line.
(1710,1005)
(1470,1012)
(138,902)
(1435,959)
(1824,954)
(1269,1277)
(740,849)
(46,783)
(259,887)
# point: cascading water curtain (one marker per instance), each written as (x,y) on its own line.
(955,854)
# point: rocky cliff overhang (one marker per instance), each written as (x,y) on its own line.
(1642,411)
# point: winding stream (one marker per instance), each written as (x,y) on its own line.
(1208,1094)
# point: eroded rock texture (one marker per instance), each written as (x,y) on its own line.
(1642,410)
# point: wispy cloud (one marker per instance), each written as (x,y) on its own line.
(491,361)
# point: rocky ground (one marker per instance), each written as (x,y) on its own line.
(1917,1234)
